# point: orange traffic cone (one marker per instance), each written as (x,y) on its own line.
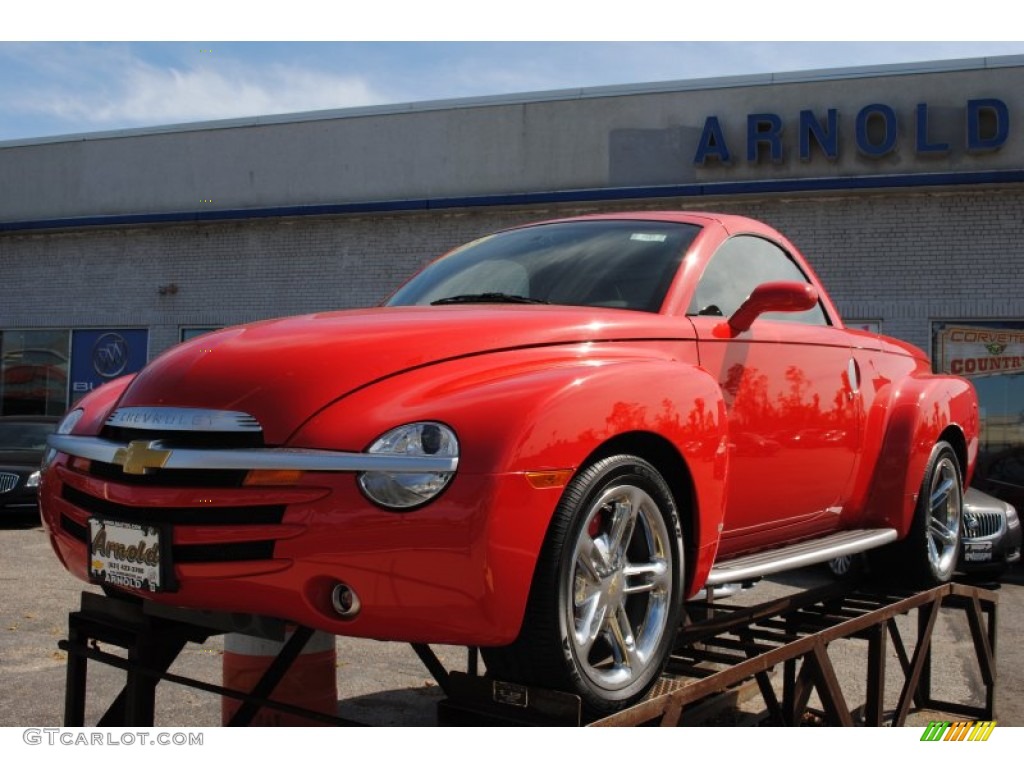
(310,683)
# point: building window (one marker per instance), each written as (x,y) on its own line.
(871,326)
(33,372)
(191,333)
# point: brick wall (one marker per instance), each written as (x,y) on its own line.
(904,259)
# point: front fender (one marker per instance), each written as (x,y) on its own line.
(680,405)
(96,407)
(98,404)
(923,410)
(536,410)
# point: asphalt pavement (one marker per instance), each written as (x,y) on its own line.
(386,683)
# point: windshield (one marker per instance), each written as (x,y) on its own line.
(24,436)
(599,263)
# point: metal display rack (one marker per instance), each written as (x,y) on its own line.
(720,648)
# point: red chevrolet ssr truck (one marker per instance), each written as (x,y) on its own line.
(543,444)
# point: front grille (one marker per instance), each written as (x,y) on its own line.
(75,529)
(223,553)
(193,553)
(268,514)
(186,439)
(170,478)
(979,525)
(226,430)
(179,438)
(7,481)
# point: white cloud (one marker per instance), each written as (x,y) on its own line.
(63,88)
(126,91)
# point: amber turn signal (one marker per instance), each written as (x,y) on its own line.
(272,477)
(554,478)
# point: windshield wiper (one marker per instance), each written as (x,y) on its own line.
(488,298)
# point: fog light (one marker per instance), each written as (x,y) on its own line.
(345,601)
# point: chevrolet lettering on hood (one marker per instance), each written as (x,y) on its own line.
(542,445)
(195,419)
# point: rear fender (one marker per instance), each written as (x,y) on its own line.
(924,410)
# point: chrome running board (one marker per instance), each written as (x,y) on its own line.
(798,555)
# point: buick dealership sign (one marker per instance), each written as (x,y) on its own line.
(110,355)
(100,355)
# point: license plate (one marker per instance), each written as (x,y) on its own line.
(129,555)
(977,552)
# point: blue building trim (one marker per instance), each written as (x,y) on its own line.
(534,198)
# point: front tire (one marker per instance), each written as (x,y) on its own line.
(607,592)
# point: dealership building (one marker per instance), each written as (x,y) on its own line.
(903,185)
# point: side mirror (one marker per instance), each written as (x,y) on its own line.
(773,297)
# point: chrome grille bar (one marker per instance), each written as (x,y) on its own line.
(169,457)
(988,524)
(7,481)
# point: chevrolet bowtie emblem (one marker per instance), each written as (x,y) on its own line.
(141,456)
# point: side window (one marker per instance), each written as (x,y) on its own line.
(737,268)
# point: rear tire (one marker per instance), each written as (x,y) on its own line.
(607,592)
(929,554)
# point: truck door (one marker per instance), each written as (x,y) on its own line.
(792,407)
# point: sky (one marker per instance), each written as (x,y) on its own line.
(93,74)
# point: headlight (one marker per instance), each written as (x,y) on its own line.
(71,418)
(69,421)
(405,490)
(33,480)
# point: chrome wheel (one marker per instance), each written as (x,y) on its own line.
(945,509)
(928,555)
(621,586)
(848,566)
(841,566)
(607,591)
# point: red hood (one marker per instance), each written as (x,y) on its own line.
(284,371)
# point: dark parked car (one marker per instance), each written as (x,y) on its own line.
(1002,475)
(22,443)
(992,535)
(990,544)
